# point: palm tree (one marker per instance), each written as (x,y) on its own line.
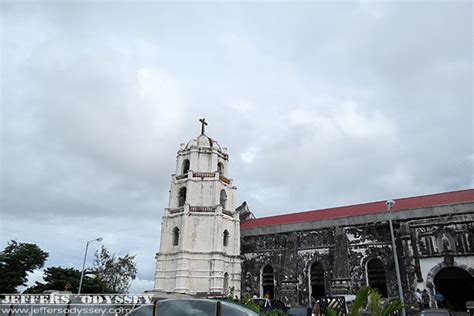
(371,298)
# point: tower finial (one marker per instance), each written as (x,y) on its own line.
(203,124)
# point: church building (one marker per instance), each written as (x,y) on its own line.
(335,251)
(208,245)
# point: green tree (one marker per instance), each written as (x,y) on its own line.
(380,308)
(249,303)
(56,278)
(116,272)
(16,261)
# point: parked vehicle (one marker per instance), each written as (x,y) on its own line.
(191,307)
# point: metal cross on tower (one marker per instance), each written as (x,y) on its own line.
(203,124)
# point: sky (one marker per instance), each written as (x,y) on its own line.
(320,104)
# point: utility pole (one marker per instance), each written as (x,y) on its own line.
(390,204)
(84,261)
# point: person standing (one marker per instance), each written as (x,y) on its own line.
(419,299)
(426,299)
(316,310)
(439,298)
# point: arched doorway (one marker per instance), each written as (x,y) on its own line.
(457,287)
(318,288)
(267,281)
(376,276)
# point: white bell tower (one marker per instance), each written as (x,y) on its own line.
(200,231)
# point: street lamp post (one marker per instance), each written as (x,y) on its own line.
(84,262)
(390,204)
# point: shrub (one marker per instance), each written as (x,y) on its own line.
(372,300)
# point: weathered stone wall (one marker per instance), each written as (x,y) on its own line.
(445,232)
(291,255)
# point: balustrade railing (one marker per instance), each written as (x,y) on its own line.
(202,209)
(204,174)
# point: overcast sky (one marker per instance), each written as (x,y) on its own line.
(321,104)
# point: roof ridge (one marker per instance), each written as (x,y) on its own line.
(405,203)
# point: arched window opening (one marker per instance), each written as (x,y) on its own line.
(226,283)
(267,281)
(223,199)
(318,288)
(182,197)
(226,238)
(175,236)
(376,276)
(185,166)
(220,168)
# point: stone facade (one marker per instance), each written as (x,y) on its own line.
(200,233)
(354,251)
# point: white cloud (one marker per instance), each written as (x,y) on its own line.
(320,104)
(33,277)
(139,286)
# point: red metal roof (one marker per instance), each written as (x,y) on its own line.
(366,208)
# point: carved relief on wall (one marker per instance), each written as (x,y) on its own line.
(470,239)
(270,242)
(445,242)
(315,239)
(441,239)
(368,234)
